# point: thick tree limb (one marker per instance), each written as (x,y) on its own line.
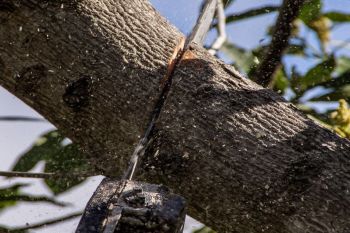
(247,160)
(244,158)
(280,39)
(90,63)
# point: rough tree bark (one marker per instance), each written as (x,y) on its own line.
(245,159)
(95,65)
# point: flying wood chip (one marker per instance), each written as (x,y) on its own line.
(129,206)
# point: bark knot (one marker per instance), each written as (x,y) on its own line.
(78,93)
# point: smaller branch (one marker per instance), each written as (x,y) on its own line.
(41,175)
(280,39)
(220,40)
(21,118)
(27,174)
(46,223)
(33,199)
(227,3)
(250,13)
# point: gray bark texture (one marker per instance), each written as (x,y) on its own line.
(244,158)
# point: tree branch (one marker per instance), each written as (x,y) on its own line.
(21,118)
(244,158)
(229,145)
(84,54)
(250,13)
(28,198)
(221,28)
(41,175)
(289,11)
(46,223)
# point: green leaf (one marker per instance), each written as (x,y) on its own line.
(316,75)
(295,49)
(68,160)
(243,60)
(281,81)
(338,17)
(312,17)
(59,159)
(7,192)
(44,147)
(251,13)
(4,229)
(343,65)
(337,82)
(311,10)
(337,94)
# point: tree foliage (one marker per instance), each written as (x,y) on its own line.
(327,78)
(59,158)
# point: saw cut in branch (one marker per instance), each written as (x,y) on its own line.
(244,158)
(79,59)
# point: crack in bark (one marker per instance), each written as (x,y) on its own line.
(178,55)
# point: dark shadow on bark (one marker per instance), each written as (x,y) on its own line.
(311,192)
(279,171)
